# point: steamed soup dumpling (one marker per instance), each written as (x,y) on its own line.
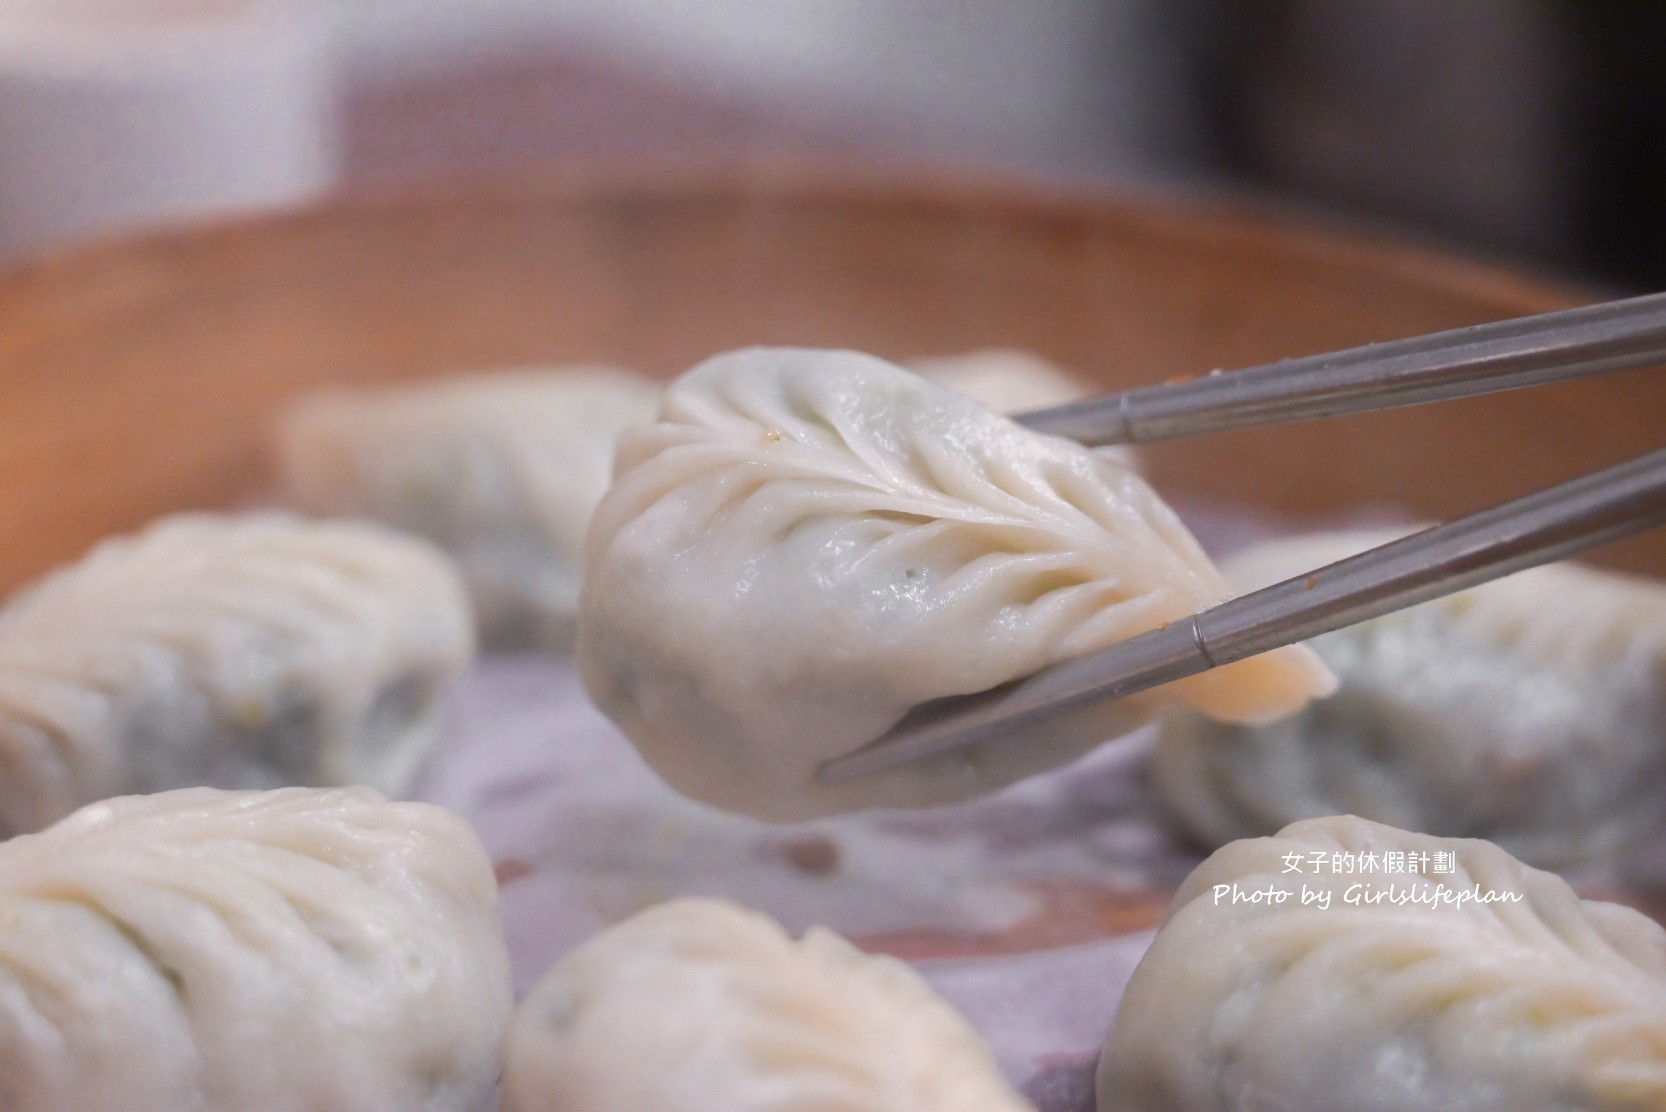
(237,652)
(809,543)
(700,1006)
(1530,711)
(1393,996)
(501,470)
(263,952)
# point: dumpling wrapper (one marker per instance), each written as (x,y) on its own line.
(809,543)
(264,952)
(1010,382)
(1535,1002)
(502,470)
(701,1006)
(1530,711)
(236,651)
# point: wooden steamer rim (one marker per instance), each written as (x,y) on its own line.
(141,377)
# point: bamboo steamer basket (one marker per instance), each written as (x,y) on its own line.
(142,377)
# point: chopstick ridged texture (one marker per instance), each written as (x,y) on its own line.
(1527,351)
(1536,529)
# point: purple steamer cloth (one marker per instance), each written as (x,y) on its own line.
(1027,909)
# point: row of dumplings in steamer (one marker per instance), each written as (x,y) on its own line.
(926,521)
(262,650)
(304,949)
(859,541)
(769,500)
(307,949)
(183,930)
(1531,711)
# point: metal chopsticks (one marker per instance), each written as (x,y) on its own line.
(1536,529)
(1571,343)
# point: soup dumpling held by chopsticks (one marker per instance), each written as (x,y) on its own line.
(809,543)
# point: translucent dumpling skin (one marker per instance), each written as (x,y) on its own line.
(702,1006)
(1530,711)
(232,651)
(501,470)
(1399,973)
(287,951)
(806,544)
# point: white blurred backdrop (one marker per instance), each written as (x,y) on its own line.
(1533,130)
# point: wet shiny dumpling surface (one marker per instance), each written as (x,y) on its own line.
(234,651)
(1530,711)
(266,952)
(808,543)
(701,1006)
(502,470)
(1471,984)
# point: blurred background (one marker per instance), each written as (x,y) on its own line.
(1532,132)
